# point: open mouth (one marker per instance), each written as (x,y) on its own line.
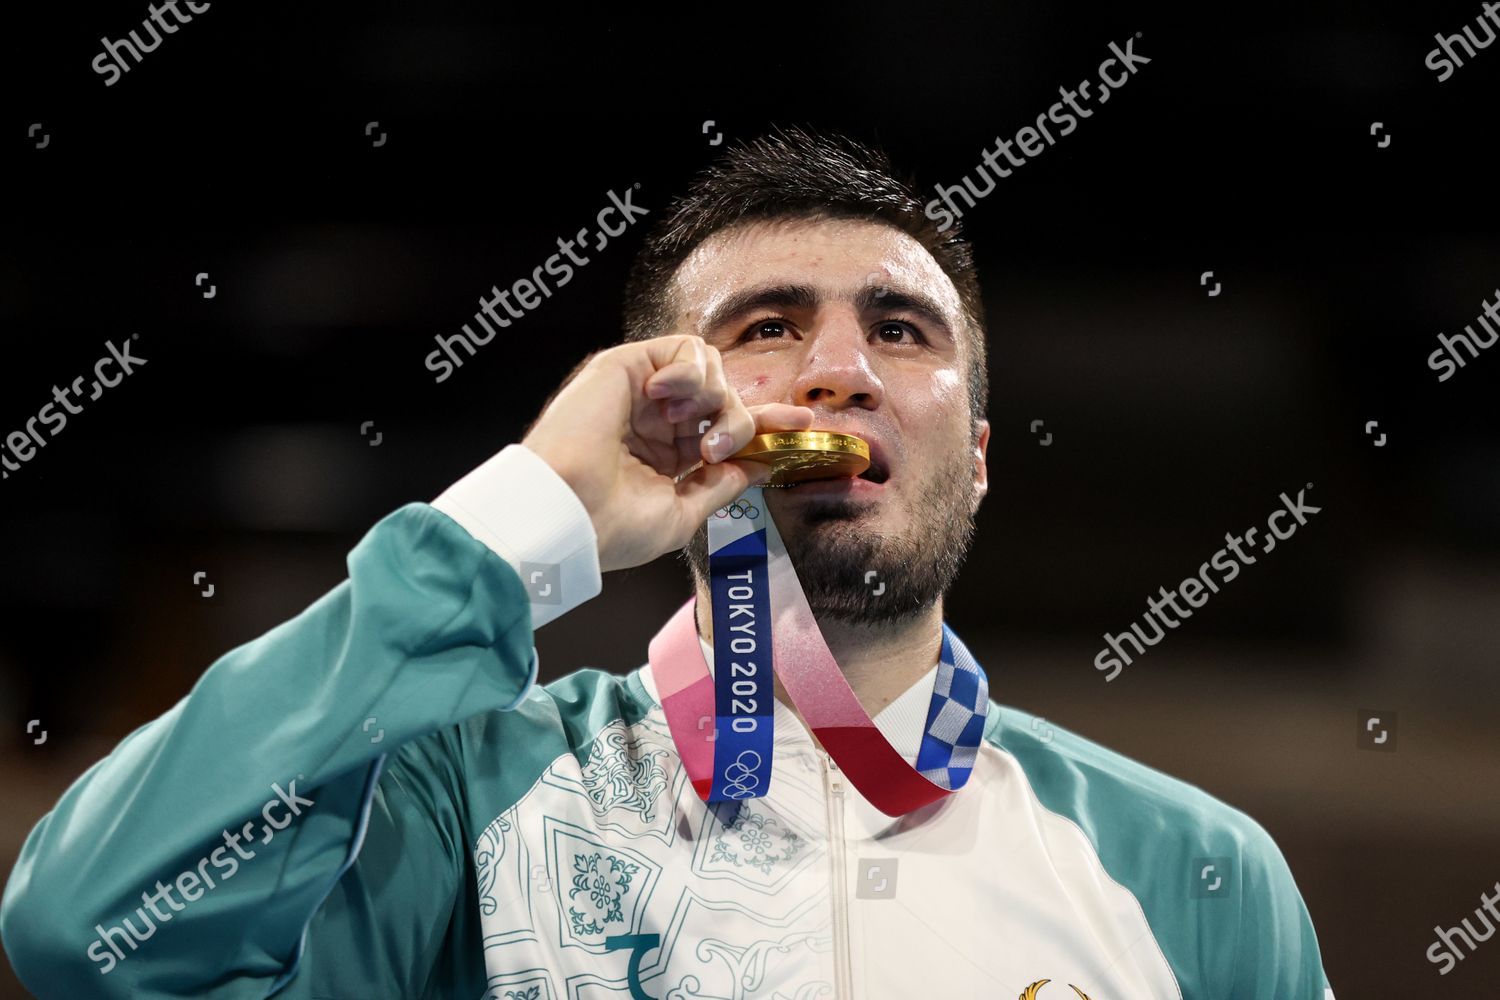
(876,473)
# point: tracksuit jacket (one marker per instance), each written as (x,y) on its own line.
(376,800)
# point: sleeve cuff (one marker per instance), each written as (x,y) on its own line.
(524,512)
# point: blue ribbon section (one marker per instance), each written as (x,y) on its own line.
(744,684)
(955,716)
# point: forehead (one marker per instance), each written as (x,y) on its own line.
(833,255)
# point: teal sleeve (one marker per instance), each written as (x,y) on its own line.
(402,921)
(1277,955)
(430,628)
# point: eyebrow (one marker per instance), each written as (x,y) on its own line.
(870,298)
(765,297)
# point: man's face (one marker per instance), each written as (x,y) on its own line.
(856,321)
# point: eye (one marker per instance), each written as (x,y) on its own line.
(772,328)
(897,327)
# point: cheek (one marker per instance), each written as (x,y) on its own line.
(933,417)
(751,385)
(947,386)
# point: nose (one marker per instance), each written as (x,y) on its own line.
(837,372)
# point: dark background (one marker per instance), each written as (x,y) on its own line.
(238,148)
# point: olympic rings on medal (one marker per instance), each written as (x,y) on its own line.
(742,785)
(740,508)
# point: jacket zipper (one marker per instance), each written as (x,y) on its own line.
(834,785)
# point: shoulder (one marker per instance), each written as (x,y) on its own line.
(1068,771)
(1211,880)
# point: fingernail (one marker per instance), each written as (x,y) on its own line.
(722,448)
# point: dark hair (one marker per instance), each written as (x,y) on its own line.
(795,174)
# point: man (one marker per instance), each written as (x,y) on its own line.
(500,841)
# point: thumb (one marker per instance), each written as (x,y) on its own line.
(720,484)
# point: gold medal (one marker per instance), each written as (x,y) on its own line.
(796,456)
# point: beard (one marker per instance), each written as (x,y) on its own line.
(833,550)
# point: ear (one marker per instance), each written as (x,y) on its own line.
(981,464)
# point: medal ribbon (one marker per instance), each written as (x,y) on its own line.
(760,612)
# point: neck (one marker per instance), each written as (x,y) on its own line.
(879,661)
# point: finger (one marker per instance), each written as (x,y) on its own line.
(691,428)
(733,429)
(707,400)
(726,433)
(720,425)
(681,364)
(694,416)
(781,417)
